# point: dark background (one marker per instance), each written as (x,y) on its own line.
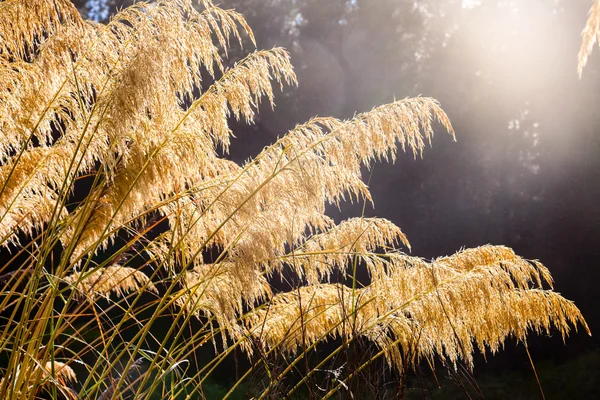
(525,170)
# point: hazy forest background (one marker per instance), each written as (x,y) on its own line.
(524,172)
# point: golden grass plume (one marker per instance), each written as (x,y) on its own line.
(113,279)
(589,35)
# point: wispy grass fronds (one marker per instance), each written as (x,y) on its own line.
(39,377)
(217,291)
(589,36)
(104,281)
(478,296)
(25,23)
(320,255)
(63,372)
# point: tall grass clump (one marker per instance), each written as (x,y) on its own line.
(131,242)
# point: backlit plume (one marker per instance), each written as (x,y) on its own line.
(589,36)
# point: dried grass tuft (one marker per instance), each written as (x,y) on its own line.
(113,279)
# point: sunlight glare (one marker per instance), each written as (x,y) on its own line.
(471,3)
